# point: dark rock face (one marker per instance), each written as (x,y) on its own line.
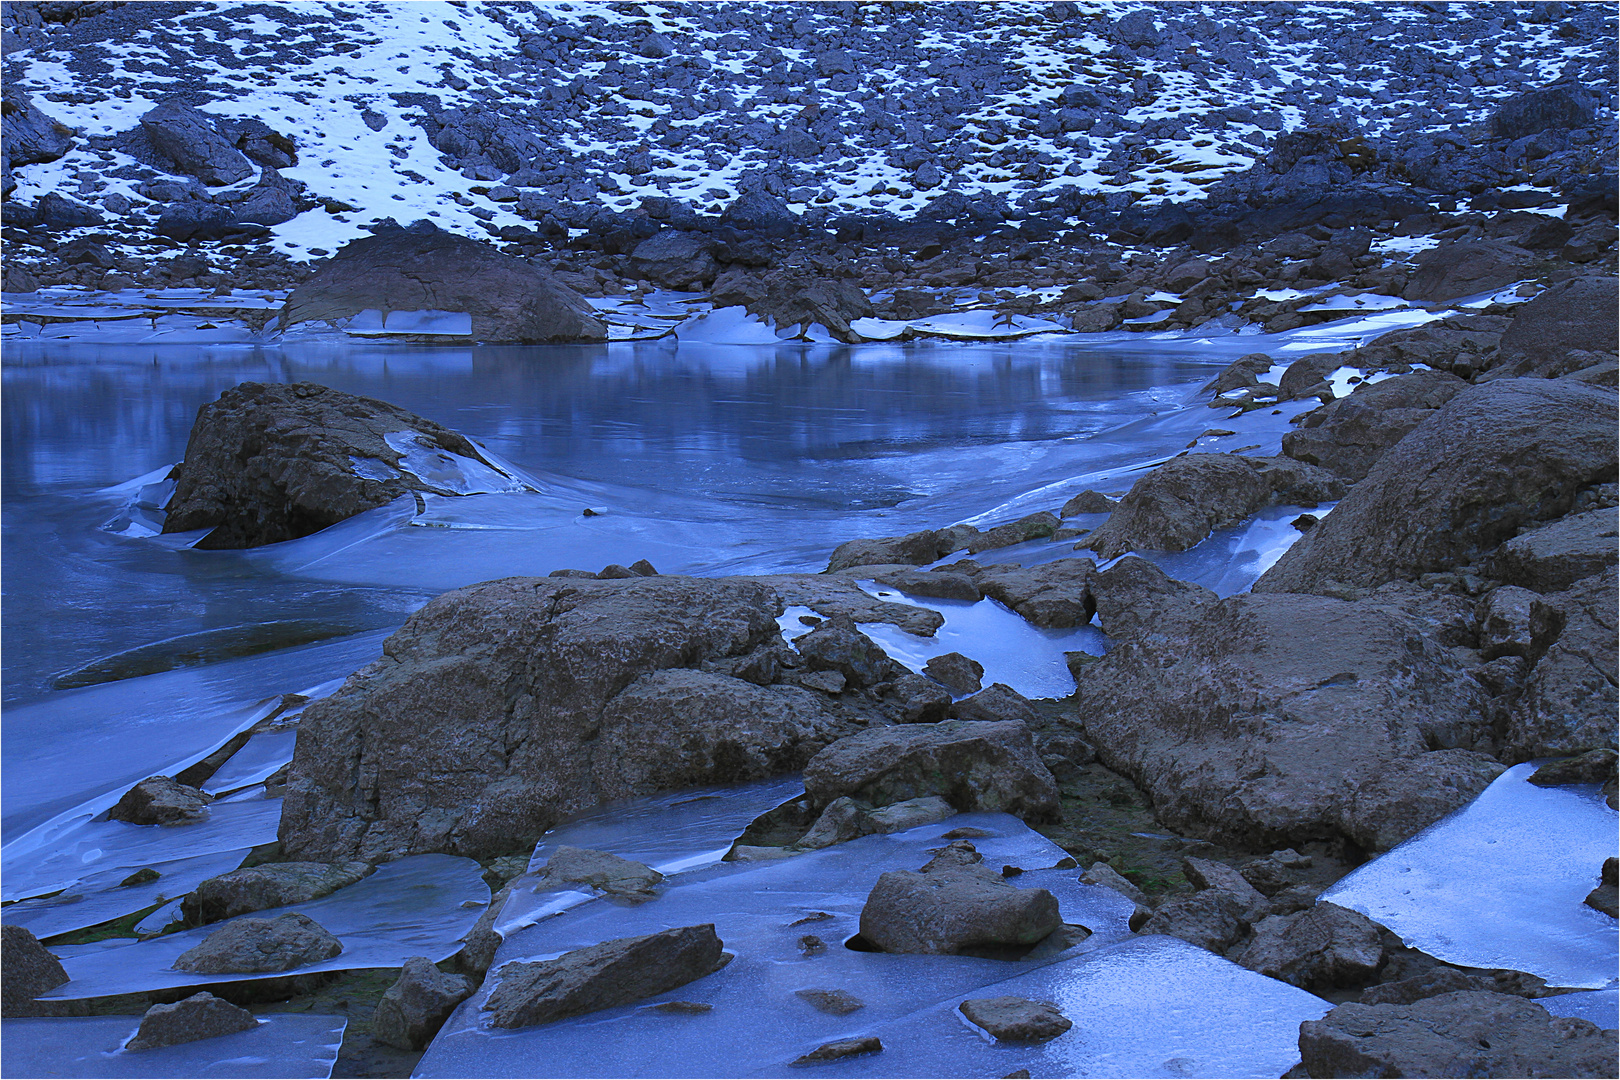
(200,1016)
(1467,1033)
(501,707)
(1606,897)
(423,268)
(28,135)
(1548,108)
(1461,268)
(612,973)
(189,139)
(1348,436)
(1581,313)
(953,905)
(1182,501)
(676,260)
(260,945)
(413,1010)
(272,885)
(795,298)
(28,971)
(1016,1019)
(273,462)
(1554,557)
(1326,946)
(1569,699)
(1493,459)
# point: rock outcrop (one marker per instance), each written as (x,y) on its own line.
(1464,267)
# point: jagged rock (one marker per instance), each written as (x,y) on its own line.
(1054,595)
(200,1016)
(836,645)
(1348,436)
(190,140)
(1464,267)
(1107,877)
(251,945)
(675,260)
(1327,946)
(839,1049)
(624,878)
(1185,499)
(1016,1019)
(973,765)
(28,135)
(913,549)
(259,142)
(1579,314)
(996,702)
(28,971)
(1407,795)
(413,1010)
(1592,767)
(271,885)
(954,905)
(612,973)
(269,462)
(1213,919)
(962,674)
(1606,897)
(1554,557)
(1088,502)
(1569,699)
(832,1002)
(424,268)
(161,800)
(1494,458)
(1467,1033)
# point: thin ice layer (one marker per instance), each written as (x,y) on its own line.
(100,897)
(283,1045)
(1601,1007)
(255,762)
(1501,883)
(450,472)
(418,906)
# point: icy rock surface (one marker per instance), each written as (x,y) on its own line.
(282,1045)
(102,896)
(1501,883)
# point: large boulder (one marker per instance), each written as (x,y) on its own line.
(272,201)
(271,885)
(1348,436)
(1258,720)
(1553,557)
(1496,457)
(413,1010)
(28,135)
(272,461)
(257,946)
(190,140)
(28,971)
(423,268)
(1556,108)
(1465,1033)
(499,708)
(1580,314)
(1569,699)
(675,260)
(795,298)
(955,904)
(1465,267)
(1185,499)
(200,1016)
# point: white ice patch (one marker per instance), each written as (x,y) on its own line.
(726,326)
(1359,302)
(370,468)
(983,323)
(283,1044)
(447,471)
(1601,1007)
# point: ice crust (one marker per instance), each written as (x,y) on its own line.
(1601,1007)
(97,898)
(1501,883)
(283,1045)
(452,472)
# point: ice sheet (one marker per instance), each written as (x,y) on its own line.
(283,1045)
(1602,1007)
(418,906)
(98,898)
(451,472)
(1501,883)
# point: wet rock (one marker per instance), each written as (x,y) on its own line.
(937,583)
(675,260)
(839,1049)
(271,885)
(413,1010)
(1464,267)
(1554,557)
(29,136)
(423,268)
(200,1016)
(996,702)
(1605,898)
(1016,1019)
(26,971)
(1579,314)
(1185,499)
(189,139)
(914,549)
(1348,436)
(1592,767)
(836,645)
(623,878)
(973,765)
(1568,701)
(251,945)
(832,1002)
(1088,502)
(1213,919)
(1467,1033)
(955,904)
(1494,458)
(272,462)
(956,671)
(1053,595)
(1327,946)
(1407,795)
(612,973)
(161,800)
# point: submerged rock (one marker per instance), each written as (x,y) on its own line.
(832,1002)
(249,946)
(27,970)
(1016,1019)
(272,885)
(955,905)
(840,1048)
(413,1010)
(200,1016)
(161,800)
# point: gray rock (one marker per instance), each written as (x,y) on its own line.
(1431,983)
(913,549)
(1592,767)
(1326,946)
(938,583)
(1088,502)
(1037,526)
(271,885)
(994,703)
(269,202)
(29,136)
(250,945)
(161,800)
(1053,595)
(1579,314)
(423,268)
(623,878)
(655,46)
(1213,919)
(845,819)
(954,905)
(796,297)
(1349,435)
(413,1010)
(28,970)
(836,645)
(1554,557)
(839,1049)
(973,765)
(675,260)
(911,814)
(612,973)
(200,1016)
(1408,795)
(1569,699)
(1105,876)
(1205,874)
(190,140)
(1016,1019)
(1464,267)
(1467,1033)
(832,1002)
(1547,108)
(1508,624)
(1304,375)
(1496,457)
(1185,499)
(962,674)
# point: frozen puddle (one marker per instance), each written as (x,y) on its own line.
(418,906)
(1501,883)
(283,1045)
(1136,1002)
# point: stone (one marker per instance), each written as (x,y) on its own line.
(1592,767)
(161,800)
(599,976)
(1105,876)
(413,1010)
(1305,375)
(610,874)
(936,583)
(1088,502)
(1016,1019)
(973,765)
(1460,268)
(269,202)
(28,971)
(843,819)
(1182,501)
(1037,526)
(795,297)
(915,549)
(1053,595)
(28,135)
(423,268)
(200,1016)
(1568,701)
(911,814)
(1206,874)
(839,1049)
(1431,983)
(1213,919)
(1546,108)
(250,946)
(271,885)
(1327,946)
(675,260)
(1605,898)
(1350,434)
(832,1002)
(961,674)
(1408,795)
(955,905)
(1508,625)
(189,139)
(996,702)
(836,645)
(1268,876)
(1466,1033)
(1555,556)
(1493,459)
(1579,314)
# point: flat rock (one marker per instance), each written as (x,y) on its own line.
(1016,1019)
(251,945)
(271,885)
(200,1016)
(953,905)
(161,800)
(413,1010)
(1325,946)
(29,971)
(996,702)
(840,1048)
(934,583)
(1348,436)
(624,878)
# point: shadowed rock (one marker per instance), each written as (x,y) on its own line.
(190,140)
(260,945)
(413,1010)
(200,1016)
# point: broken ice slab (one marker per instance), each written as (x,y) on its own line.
(254,763)
(1501,883)
(1601,1007)
(283,1045)
(447,471)
(101,897)
(418,906)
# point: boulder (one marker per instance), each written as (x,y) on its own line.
(1213,919)
(1466,1033)
(955,905)
(1054,595)
(28,971)
(973,765)
(423,268)
(259,142)
(960,673)
(272,462)
(1016,1019)
(161,800)
(200,1016)
(1185,499)
(413,1010)
(502,707)
(1569,699)
(675,260)
(1324,947)
(1036,526)
(1305,375)
(913,549)
(1407,795)
(846,819)
(1553,557)
(1579,314)
(1509,624)
(836,645)
(271,201)
(996,702)
(28,135)
(1464,267)
(271,885)
(796,297)
(612,973)
(622,878)
(251,946)
(192,220)
(1349,435)
(1493,459)
(56,211)
(1547,108)
(188,139)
